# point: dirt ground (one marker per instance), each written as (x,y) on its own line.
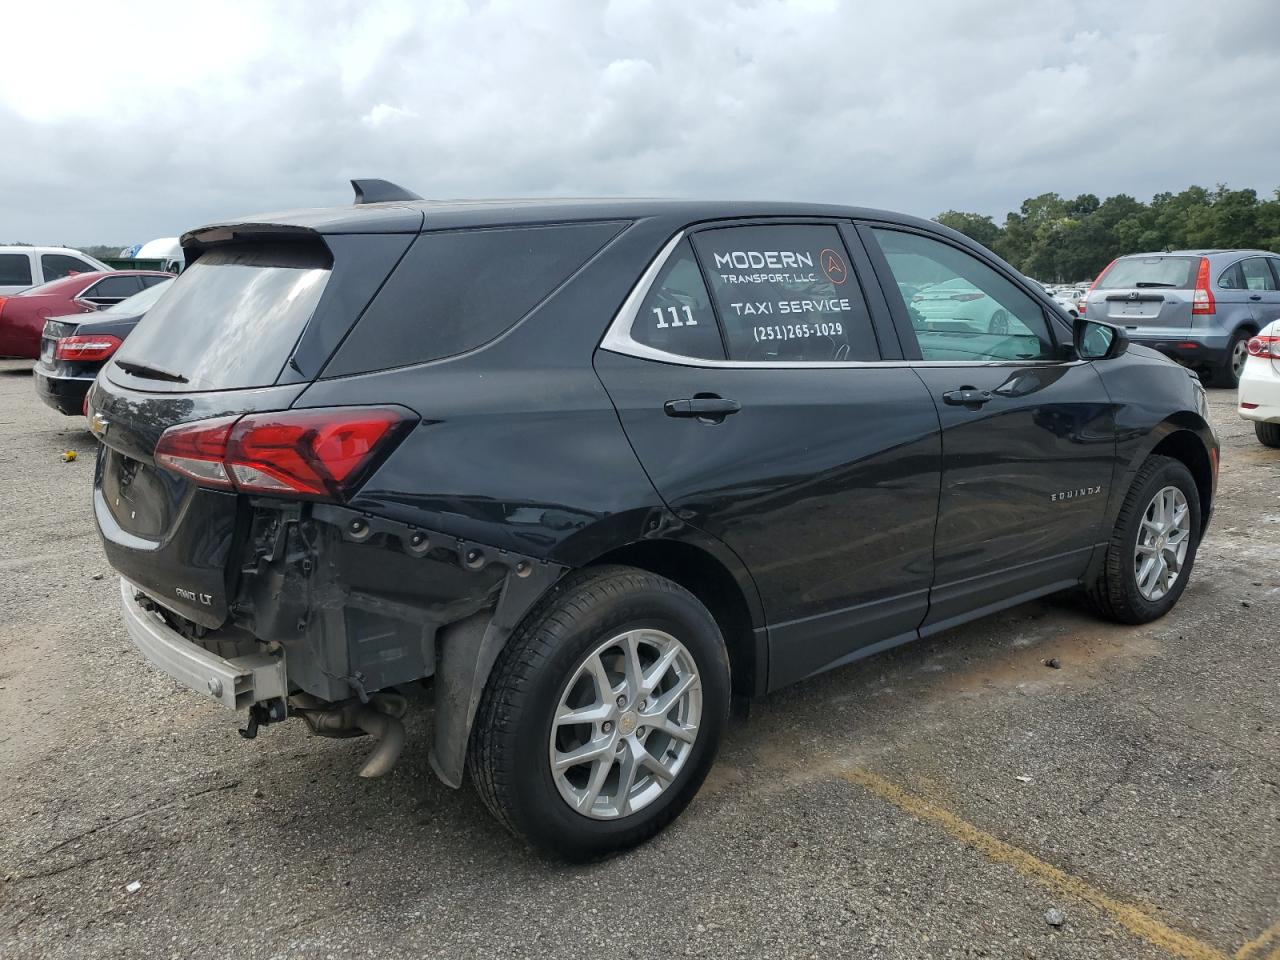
(948,799)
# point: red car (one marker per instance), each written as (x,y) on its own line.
(22,315)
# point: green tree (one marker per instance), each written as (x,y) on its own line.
(1067,240)
(975,226)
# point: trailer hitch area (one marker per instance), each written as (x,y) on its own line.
(263,713)
(378,718)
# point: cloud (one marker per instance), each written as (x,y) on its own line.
(132,127)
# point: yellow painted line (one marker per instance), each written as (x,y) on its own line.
(1255,945)
(1135,920)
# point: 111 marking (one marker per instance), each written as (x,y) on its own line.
(675,318)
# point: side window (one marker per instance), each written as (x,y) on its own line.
(786,293)
(15,270)
(676,315)
(112,289)
(55,266)
(1232,278)
(960,308)
(458,289)
(1256,274)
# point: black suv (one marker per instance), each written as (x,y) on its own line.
(596,468)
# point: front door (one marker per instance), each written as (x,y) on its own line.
(763,416)
(1028,438)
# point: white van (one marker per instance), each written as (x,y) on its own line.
(23,267)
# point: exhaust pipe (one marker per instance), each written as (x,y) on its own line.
(379,718)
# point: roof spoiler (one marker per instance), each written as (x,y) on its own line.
(380,191)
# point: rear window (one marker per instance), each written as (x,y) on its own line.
(1178,273)
(231,320)
(456,290)
(15,270)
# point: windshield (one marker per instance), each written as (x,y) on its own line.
(1129,272)
(139,302)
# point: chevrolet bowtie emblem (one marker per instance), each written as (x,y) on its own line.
(98,425)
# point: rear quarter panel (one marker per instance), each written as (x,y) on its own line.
(519,446)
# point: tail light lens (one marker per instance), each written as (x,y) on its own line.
(1203,298)
(967,296)
(1268,347)
(86,348)
(1084,301)
(298,453)
(3,301)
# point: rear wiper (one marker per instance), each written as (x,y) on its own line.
(1153,283)
(150,373)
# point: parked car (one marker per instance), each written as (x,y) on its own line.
(1259,398)
(22,315)
(73,349)
(24,267)
(596,467)
(1069,299)
(956,304)
(1199,307)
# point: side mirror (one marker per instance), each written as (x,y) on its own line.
(1095,340)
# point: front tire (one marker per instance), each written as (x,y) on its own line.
(1268,434)
(1153,546)
(603,713)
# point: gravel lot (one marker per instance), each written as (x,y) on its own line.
(936,801)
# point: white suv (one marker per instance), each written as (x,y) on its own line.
(23,267)
(1259,398)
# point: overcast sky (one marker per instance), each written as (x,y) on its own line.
(119,127)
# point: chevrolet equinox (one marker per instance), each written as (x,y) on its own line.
(597,468)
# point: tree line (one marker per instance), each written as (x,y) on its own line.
(1060,240)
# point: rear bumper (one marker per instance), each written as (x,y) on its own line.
(237,682)
(1260,386)
(1194,348)
(64,394)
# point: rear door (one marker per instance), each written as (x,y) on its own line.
(1150,297)
(1028,442)
(751,381)
(1262,281)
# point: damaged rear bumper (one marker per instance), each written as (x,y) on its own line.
(355,604)
(235,682)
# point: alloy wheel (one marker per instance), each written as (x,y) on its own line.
(1163,540)
(1239,355)
(625,724)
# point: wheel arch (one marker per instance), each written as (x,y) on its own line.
(728,594)
(1184,439)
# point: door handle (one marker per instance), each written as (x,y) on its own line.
(706,407)
(966,397)
(1255,296)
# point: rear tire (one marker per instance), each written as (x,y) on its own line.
(1268,433)
(1227,372)
(1119,593)
(570,656)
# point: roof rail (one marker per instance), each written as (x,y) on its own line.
(380,191)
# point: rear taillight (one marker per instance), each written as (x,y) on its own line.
(298,453)
(1202,301)
(967,296)
(3,301)
(88,349)
(1268,347)
(1084,302)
